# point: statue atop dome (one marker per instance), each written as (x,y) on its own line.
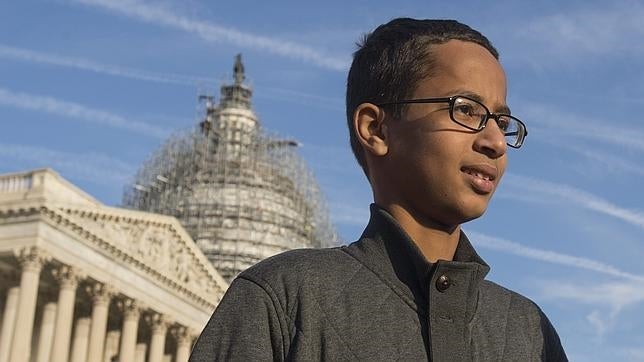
(238,94)
(238,70)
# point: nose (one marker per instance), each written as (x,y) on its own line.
(491,140)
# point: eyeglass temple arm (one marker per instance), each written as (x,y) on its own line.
(422,100)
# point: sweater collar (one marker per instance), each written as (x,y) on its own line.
(387,250)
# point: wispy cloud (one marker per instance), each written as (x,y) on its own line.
(592,31)
(555,120)
(577,196)
(609,299)
(218,33)
(78,111)
(634,353)
(96,67)
(92,167)
(335,104)
(608,162)
(506,246)
(616,294)
(28,55)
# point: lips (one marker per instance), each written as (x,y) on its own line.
(481,177)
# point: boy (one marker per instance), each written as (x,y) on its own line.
(429,125)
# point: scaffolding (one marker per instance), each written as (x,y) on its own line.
(241,193)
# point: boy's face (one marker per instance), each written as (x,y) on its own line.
(440,171)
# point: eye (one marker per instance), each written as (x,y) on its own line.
(465,109)
(504,123)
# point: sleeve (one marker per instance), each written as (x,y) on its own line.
(552,349)
(244,327)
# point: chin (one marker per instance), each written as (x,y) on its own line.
(472,217)
(460,216)
(473,210)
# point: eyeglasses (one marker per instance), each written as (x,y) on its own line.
(474,115)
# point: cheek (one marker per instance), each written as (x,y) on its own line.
(502,165)
(426,150)
(446,150)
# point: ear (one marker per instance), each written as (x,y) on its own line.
(371,130)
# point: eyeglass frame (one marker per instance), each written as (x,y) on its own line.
(451,100)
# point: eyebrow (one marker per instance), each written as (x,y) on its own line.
(504,109)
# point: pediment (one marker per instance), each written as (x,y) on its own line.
(156,245)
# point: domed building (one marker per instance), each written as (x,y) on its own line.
(242,194)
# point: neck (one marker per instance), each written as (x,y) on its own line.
(435,241)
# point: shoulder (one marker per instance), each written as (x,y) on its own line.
(517,312)
(525,323)
(514,299)
(301,267)
(299,260)
(510,303)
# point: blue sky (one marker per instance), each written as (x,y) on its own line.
(92,87)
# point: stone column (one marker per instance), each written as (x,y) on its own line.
(81,339)
(8,322)
(46,332)
(139,353)
(67,278)
(184,337)
(159,325)
(31,262)
(111,345)
(101,295)
(131,312)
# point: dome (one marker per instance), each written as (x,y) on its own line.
(241,193)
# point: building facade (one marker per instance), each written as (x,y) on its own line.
(81,281)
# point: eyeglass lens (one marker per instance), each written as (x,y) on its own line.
(473,115)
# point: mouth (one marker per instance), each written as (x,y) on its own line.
(481,177)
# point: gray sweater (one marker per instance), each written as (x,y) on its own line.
(377,299)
